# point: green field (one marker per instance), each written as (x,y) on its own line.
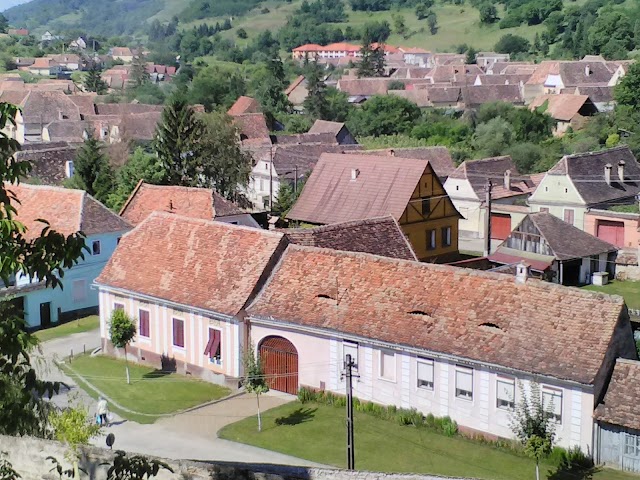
(317,433)
(151,392)
(629,290)
(81,325)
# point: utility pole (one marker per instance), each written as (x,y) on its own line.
(487,220)
(348,367)
(270,179)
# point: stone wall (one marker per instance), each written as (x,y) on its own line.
(29,458)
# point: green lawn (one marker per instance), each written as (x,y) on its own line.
(81,325)
(317,433)
(150,392)
(629,290)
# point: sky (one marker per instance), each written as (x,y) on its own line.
(4,4)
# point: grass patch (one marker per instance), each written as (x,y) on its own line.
(81,325)
(630,291)
(150,392)
(317,433)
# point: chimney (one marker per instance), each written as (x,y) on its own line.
(354,174)
(507,180)
(621,171)
(607,173)
(587,70)
(522,272)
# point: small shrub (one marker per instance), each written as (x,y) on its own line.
(449,427)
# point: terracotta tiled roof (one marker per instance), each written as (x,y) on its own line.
(413,50)
(323,126)
(383,186)
(68,130)
(439,157)
(121,52)
(303,156)
(244,105)
(252,126)
(67,211)
(478,171)
(474,96)
(294,84)
(48,160)
(476,315)
(620,405)
(561,106)
(85,103)
(378,236)
(44,107)
(202,264)
(45,63)
(126,108)
(419,97)
(309,47)
(364,86)
(342,46)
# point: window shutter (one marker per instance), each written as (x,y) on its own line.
(216,337)
(388,365)
(506,390)
(464,380)
(425,370)
(207,349)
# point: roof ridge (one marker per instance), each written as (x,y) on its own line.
(214,223)
(130,198)
(331,226)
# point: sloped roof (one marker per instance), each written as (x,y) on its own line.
(48,160)
(566,241)
(419,97)
(584,73)
(561,106)
(378,236)
(44,107)
(323,126)
(305,157)
(438,157)
(203,264)
(68,130)
(477,95)
(294,84)
(67,211)
(586,171)
(192,202)
(481,316)
(252,125)
(477,172)
(596,93)
(244,105)
(620,405)
(126,108)
(383,187)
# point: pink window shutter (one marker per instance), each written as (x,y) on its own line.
(216,343)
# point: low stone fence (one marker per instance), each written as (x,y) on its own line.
(29,458)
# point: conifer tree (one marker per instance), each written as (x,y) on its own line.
(92,171)
(177,143)
(315,104)
(138,75)
(366,67)
(93,81)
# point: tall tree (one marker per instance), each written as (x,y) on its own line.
(93,81)
(140,166)
(122,329)
(315,104)
(138,75)
(254,378)
(44,255)
(432,23)
(92,171)
(366,66)
(488,13)
(4,24)
(532,423)
(177,143)
(627,92)
(224,165)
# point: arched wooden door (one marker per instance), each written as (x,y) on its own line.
(280,364)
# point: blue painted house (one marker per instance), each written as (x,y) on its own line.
(68,211)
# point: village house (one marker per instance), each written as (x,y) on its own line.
(427,341)
(467,187)
(346,187)
(297,91)
(556,251)
(568,111)
(484,59)
(417,56)
(617,431)
(45,66)
(600,95)
(67,211)
(18,32)
(438,157)
(121,53)
(192,202)
(337,130)
(68,61)
(584,181)
(52,163)
(244,105)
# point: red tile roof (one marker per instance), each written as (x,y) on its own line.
(620,405)
(535,327)
(252,126)
(244,105)
(309,47)
(203,264)
(294,85)
(383,186)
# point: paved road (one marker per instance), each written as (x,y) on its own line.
(191,435)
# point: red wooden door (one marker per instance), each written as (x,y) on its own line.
(280,364)
(500,226)
(612,232)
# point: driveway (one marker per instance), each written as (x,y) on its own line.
(191,435)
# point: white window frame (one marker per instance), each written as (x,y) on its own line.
(74,289)
(554,393)
(349,347)
(425,383)
(631,445)
(503,402)
(381,372)
(216,361)
(461,393)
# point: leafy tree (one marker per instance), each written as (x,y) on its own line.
(140,166)
(241,33)
(337,106)
(512,44)
(377,31)
(216,85)
(384,115)
(254,378)
(284,200)
(396,85)
(7,472)
(122,329)
(4,24)
(471,56)
(93,81)
(422,10)
(488,13)
(399,24)
(493,137)
(177,143)
(92,171)
(43,255)
(136,467)
(627,92)
(73,426)
(533,426)
(223,166)
(611,25)
(432,23)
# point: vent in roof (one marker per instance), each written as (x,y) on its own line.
(420,314)
(326,298)
(491,326)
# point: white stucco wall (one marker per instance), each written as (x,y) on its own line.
(557,193)
(321,363)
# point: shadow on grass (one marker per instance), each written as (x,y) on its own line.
(573,472)
(156,374)
(297,417)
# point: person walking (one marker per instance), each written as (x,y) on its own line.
(102,411)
